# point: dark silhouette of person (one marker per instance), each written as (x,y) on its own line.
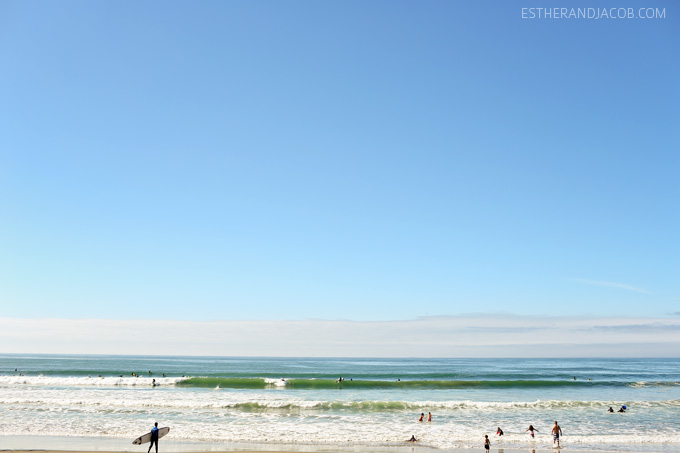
(154,437)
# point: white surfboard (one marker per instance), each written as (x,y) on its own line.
(147,437)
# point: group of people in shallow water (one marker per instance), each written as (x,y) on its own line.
(556,432)
(422,417)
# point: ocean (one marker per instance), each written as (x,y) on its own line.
(223,403)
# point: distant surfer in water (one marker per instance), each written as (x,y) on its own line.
(610,409)
(154,437)
(499,432)
(413,439)
(531,430)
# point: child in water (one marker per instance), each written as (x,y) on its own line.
(531,430)
(487,443)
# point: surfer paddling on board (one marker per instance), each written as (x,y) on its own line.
(154,437)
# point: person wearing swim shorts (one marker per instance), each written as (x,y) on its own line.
(556,432)
(487,443)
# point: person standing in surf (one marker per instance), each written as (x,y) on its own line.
(556,432)
(487,442)
(154,437)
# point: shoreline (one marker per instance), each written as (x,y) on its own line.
(413,449)
(51,444)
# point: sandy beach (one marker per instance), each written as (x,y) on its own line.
(46,444)
(413,449)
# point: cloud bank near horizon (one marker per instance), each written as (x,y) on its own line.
(436,336)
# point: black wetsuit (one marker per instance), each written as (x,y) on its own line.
(154,439)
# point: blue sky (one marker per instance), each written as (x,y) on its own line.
(366,161)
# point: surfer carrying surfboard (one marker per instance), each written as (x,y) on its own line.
(154,437)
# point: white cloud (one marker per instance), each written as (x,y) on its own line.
(445,336)
(613,285)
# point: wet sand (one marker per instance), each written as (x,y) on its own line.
(414,448)
(46,444)
(406,448)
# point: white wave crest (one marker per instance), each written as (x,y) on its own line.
(89,381)
(276,382)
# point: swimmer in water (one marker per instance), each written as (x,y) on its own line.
(421,417)
(531,430)
(499,432)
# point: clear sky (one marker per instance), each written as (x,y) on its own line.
(281,161)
